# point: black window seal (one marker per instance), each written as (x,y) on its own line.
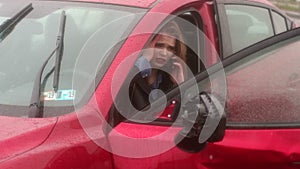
(273,125)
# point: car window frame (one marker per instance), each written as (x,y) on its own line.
(273,20)
(224,34)
(114,115)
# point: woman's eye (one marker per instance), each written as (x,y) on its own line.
(171,49)
(159,45)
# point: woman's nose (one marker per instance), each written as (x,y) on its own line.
(164,51)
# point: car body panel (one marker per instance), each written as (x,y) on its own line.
(250,148)
(280,88)
(21,135)
(68,146)
(144,153)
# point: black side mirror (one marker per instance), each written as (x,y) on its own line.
(204,120)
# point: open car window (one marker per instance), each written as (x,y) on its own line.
(166,108)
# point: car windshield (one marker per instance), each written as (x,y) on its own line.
(92,33)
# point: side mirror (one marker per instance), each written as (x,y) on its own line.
(204,120)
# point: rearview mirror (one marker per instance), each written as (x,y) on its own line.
(204,120)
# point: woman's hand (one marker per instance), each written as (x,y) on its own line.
(178,70)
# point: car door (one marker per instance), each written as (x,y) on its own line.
(263,120)
(243,23)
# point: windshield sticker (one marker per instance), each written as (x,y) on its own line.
(59,95)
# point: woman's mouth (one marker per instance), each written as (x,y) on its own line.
(160,61)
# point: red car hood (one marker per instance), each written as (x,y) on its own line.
(18,135)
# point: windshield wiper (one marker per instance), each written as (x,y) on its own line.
(8,25)
(59,50)
(35,104)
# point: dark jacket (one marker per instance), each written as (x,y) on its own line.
(139,89)
(138,93)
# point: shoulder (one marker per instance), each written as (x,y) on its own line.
(143,65)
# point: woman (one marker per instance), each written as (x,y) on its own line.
(161,66)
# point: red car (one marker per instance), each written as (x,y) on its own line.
(63,64)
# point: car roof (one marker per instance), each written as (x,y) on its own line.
(148,3)
(134,3)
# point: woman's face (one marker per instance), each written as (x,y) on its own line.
(164,49)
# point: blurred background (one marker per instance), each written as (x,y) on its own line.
(291,7)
